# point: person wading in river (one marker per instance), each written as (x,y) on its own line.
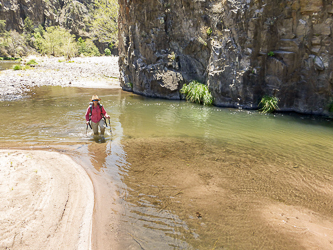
(97,115)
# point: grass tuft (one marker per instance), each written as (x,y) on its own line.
(32,62)
(268,104)
(271,53)
(17,67)
(209,31)
(26,67)
(197,92)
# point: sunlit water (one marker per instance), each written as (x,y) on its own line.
(187,176)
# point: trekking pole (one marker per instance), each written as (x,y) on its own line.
(87,128)
(110,127)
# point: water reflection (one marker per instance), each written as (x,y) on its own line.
(98,153)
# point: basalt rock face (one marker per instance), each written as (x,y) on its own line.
(66,13)
(242,49)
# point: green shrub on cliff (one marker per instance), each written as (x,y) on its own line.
(271,53)
(39,30)
(197,92)
(28,31)
(105,21)
(268,104)
(209,31)
(2,26)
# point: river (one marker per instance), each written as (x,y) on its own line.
(7,64)
(184,176)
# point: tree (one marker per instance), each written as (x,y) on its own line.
(28,30)
(40,30)
(68,46)
(105,24)
(87,47)
(28,26)
(56,41)
(2,26)
(4,35)
(15,44)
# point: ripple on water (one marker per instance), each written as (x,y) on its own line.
(219,194)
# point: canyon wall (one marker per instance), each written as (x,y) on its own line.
(242,49)
(70,14)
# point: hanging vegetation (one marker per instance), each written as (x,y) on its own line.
(268,104)
(197,92)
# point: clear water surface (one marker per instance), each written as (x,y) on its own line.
(188,176)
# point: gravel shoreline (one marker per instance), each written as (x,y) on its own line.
(86,72)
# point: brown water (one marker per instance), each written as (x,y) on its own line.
(7,64)
(176,175)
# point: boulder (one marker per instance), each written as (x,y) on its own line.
(311,5)
(318,63)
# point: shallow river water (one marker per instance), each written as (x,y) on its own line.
(184,176)
(7,64)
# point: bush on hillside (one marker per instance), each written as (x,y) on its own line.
(12,44)
(107,52)
(87,47)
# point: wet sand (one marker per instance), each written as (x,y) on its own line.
(46,201)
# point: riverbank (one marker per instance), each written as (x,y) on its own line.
(46,203)
(86,72)
(47,199)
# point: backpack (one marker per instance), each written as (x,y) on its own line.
(91,104)
(100,106)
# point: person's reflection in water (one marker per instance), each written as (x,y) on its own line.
(98,153)
(99,139)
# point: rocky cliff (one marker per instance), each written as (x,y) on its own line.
(242,49)
(70,14)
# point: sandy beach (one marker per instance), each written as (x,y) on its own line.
(46,201)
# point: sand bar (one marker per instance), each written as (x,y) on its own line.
(46,201)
